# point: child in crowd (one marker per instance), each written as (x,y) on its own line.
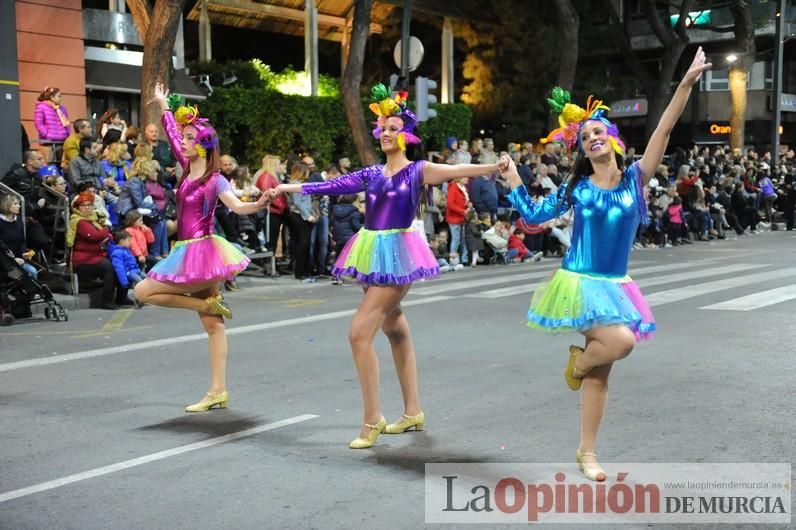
(516,245)
(124,264)
(675,213)
(438,245)
(141,236)
(472,235)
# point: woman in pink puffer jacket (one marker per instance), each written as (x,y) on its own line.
(51,118)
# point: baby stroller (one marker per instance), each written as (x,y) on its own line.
(18,292)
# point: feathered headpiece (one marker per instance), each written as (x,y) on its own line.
(206,137)
(572,117)
(385,106)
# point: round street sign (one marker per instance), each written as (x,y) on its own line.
(415,53)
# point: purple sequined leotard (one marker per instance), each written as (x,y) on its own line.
(387,251)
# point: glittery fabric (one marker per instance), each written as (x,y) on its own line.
(387,251)
(390,202)
(592,287)
(199,255)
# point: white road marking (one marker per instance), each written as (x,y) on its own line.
(757,300)
(691,291)
(146,459)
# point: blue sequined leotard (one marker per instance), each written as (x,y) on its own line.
(592,287)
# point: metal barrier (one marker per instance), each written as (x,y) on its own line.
(268,253)
(60,224)
(53,147)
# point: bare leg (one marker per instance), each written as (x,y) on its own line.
(153,292)
(396,327)
(376,304)
(217,342)
(604,345)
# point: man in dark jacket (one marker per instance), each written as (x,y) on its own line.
(86,167)
(484,196)
(25,179)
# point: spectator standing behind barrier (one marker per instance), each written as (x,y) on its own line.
(457,205)
(51,118)
(267,177)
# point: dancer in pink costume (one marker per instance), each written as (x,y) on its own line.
(188,278)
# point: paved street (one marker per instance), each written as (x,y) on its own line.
(94,435)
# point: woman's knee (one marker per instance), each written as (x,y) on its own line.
(395,328)
(360,334)
(213,324)
(623,342)
(141,291)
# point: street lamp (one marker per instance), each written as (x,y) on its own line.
(731,58)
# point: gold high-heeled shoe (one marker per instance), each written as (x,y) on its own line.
(573,379)
(210,401)
(375,431)
(417,421)
(590,470)
(217,306)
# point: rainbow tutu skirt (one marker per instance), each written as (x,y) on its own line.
(572,301)
(204,259)
(386,257)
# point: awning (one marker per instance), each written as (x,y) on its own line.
(126,78)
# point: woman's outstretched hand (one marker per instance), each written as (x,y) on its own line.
(161,93)
(503,163)
(273,193)
(263,201)
(509,172)
(698,65)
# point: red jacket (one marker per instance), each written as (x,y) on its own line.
(89,247)
(529,229)
(517,243)
(265,182)
(142,235)
(456,205)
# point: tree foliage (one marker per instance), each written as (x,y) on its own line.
(254,121)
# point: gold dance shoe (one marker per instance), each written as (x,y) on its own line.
(590,470)
(572,375)
(408,422)
(217,306)
(375,431)
(210,401)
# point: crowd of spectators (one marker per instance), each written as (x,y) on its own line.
(112,195)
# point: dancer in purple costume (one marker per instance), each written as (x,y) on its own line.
(188,278)
(591,293)
(387,255)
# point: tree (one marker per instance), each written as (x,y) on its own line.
(158,29)
(744,30)
(674,41)
(352,78)
(569,24)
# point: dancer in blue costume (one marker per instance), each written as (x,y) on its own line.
(591,293)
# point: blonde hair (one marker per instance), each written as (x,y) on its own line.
(299,172)
(271,164)
(115,152)
(143,167)
(143,151)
